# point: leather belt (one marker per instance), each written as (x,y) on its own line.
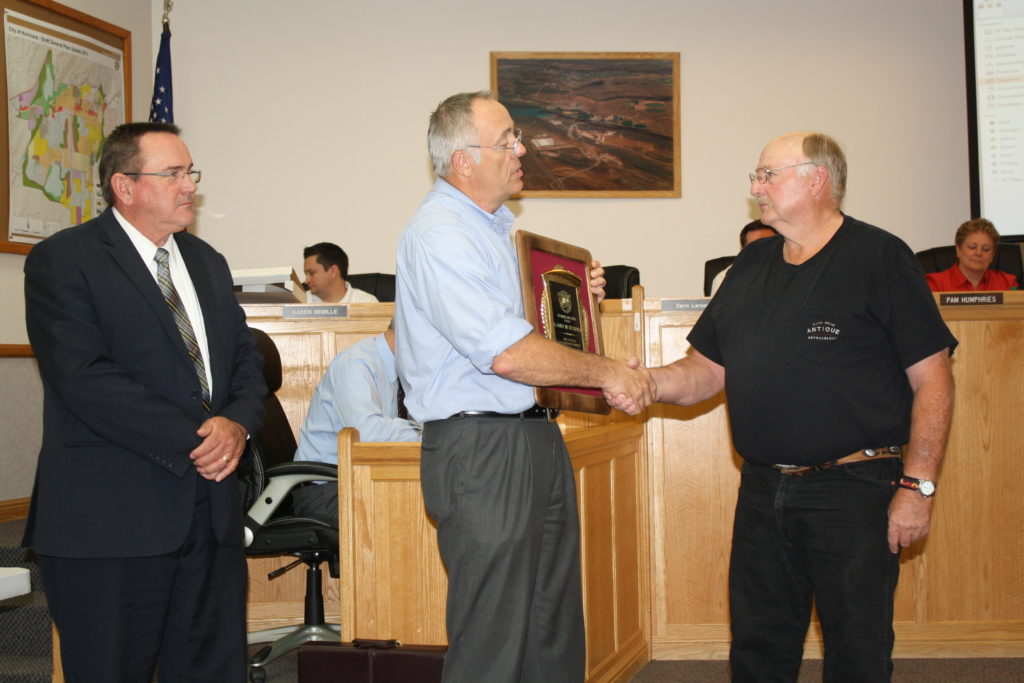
(537,411)
(859,456)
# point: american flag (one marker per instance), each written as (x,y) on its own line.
(162,108)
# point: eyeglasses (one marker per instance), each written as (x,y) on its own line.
(194,175)
(514,146)
(762,175)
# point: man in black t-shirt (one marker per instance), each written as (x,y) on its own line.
(835,362)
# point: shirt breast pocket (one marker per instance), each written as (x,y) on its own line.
(825,333)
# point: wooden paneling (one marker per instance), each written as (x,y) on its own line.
(307,348)
(657,495)
(393,584)
(393,581)
(16,351)
(977,539)
(14,509)
(961,591)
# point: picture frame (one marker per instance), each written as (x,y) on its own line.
(557,301)
(595,124)
(69,32)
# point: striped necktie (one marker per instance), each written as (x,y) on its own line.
(163,278)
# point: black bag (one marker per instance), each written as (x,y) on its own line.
(370,661)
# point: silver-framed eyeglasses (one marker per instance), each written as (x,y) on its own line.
(514,146)
(194,175)
(762,175)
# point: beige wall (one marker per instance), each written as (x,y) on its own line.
(21,424)
(136,17)
(309,119)
(21,395)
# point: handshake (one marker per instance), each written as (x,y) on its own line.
(629,387)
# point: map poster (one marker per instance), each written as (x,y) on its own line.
(65,93)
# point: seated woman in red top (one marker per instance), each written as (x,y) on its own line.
(976,242)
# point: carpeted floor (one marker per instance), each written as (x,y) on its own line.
(26,616)
(284,670)
(905,671)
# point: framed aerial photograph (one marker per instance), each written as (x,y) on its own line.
(559,304)
(595,124)
(67,84)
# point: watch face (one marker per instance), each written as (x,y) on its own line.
(926,487)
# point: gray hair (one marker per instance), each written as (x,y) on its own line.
(824,151)
(452,128)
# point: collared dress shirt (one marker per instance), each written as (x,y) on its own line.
(359,389)
(182,283)
(953,280)
(458,306)
(352,296)
(357,296)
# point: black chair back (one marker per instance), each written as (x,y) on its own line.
(712,268)
(620,281)
(381,285)
(276,435)
(274,443)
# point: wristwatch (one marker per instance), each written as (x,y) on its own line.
(926,487)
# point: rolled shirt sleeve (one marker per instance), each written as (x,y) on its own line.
(459,305)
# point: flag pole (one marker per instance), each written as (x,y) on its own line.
(162,106)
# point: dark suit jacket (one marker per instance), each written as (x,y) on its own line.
(121,400)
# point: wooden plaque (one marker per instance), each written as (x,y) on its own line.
(559,304)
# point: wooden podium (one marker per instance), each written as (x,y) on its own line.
(393,584)
(657,495)
(961,591)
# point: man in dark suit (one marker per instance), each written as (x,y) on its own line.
(152,384)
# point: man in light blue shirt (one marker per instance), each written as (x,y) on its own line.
(359,389)
(495,472)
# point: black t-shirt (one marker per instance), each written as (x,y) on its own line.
(815,355)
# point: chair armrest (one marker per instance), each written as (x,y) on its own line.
(322,470)
(281,479)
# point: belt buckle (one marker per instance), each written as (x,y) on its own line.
(791,469)
(887,450)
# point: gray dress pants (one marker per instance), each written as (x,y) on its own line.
(502,492)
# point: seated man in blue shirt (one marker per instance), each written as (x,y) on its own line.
(359,389)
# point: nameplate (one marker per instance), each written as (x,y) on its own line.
(971,299)
(301,312)
(684,304)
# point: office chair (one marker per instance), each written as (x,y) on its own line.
(713,267)
(381,285)
(267,474)
(620,281)
(1007,258)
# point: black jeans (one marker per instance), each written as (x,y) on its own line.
(817,539)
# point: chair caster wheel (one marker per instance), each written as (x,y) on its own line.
(257,675)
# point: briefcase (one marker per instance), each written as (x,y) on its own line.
(370,661)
